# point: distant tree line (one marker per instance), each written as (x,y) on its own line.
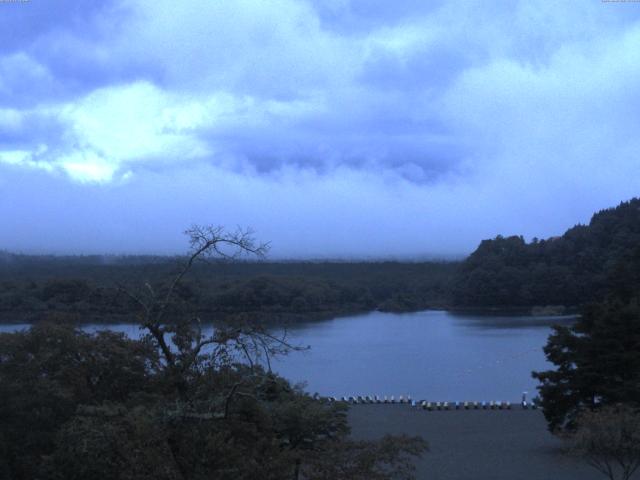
(79,289)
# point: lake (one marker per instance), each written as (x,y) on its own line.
(435,355)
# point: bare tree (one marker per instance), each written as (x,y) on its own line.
(609,440)
(179,337)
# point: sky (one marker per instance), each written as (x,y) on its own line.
(333,129)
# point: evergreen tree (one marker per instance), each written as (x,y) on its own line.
(597,360)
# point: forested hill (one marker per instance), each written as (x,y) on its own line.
(585,264)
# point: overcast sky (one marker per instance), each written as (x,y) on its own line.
(334,128)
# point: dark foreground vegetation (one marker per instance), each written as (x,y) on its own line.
(175,405)
(78,407)
(592,397)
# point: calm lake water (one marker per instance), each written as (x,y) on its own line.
(433,355)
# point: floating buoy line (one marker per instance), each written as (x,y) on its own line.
(432,406)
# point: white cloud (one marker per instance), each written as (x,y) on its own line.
(132,122)
(275,48)
(88,167)
(26,159)
(10,119)
(490,116)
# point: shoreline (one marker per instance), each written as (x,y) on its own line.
(288,318)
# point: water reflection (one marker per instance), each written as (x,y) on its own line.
(511,322)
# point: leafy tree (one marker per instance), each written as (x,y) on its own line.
(597,360)
(47,372)
(180,403)
(609,440)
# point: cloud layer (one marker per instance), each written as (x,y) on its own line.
(336,128)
